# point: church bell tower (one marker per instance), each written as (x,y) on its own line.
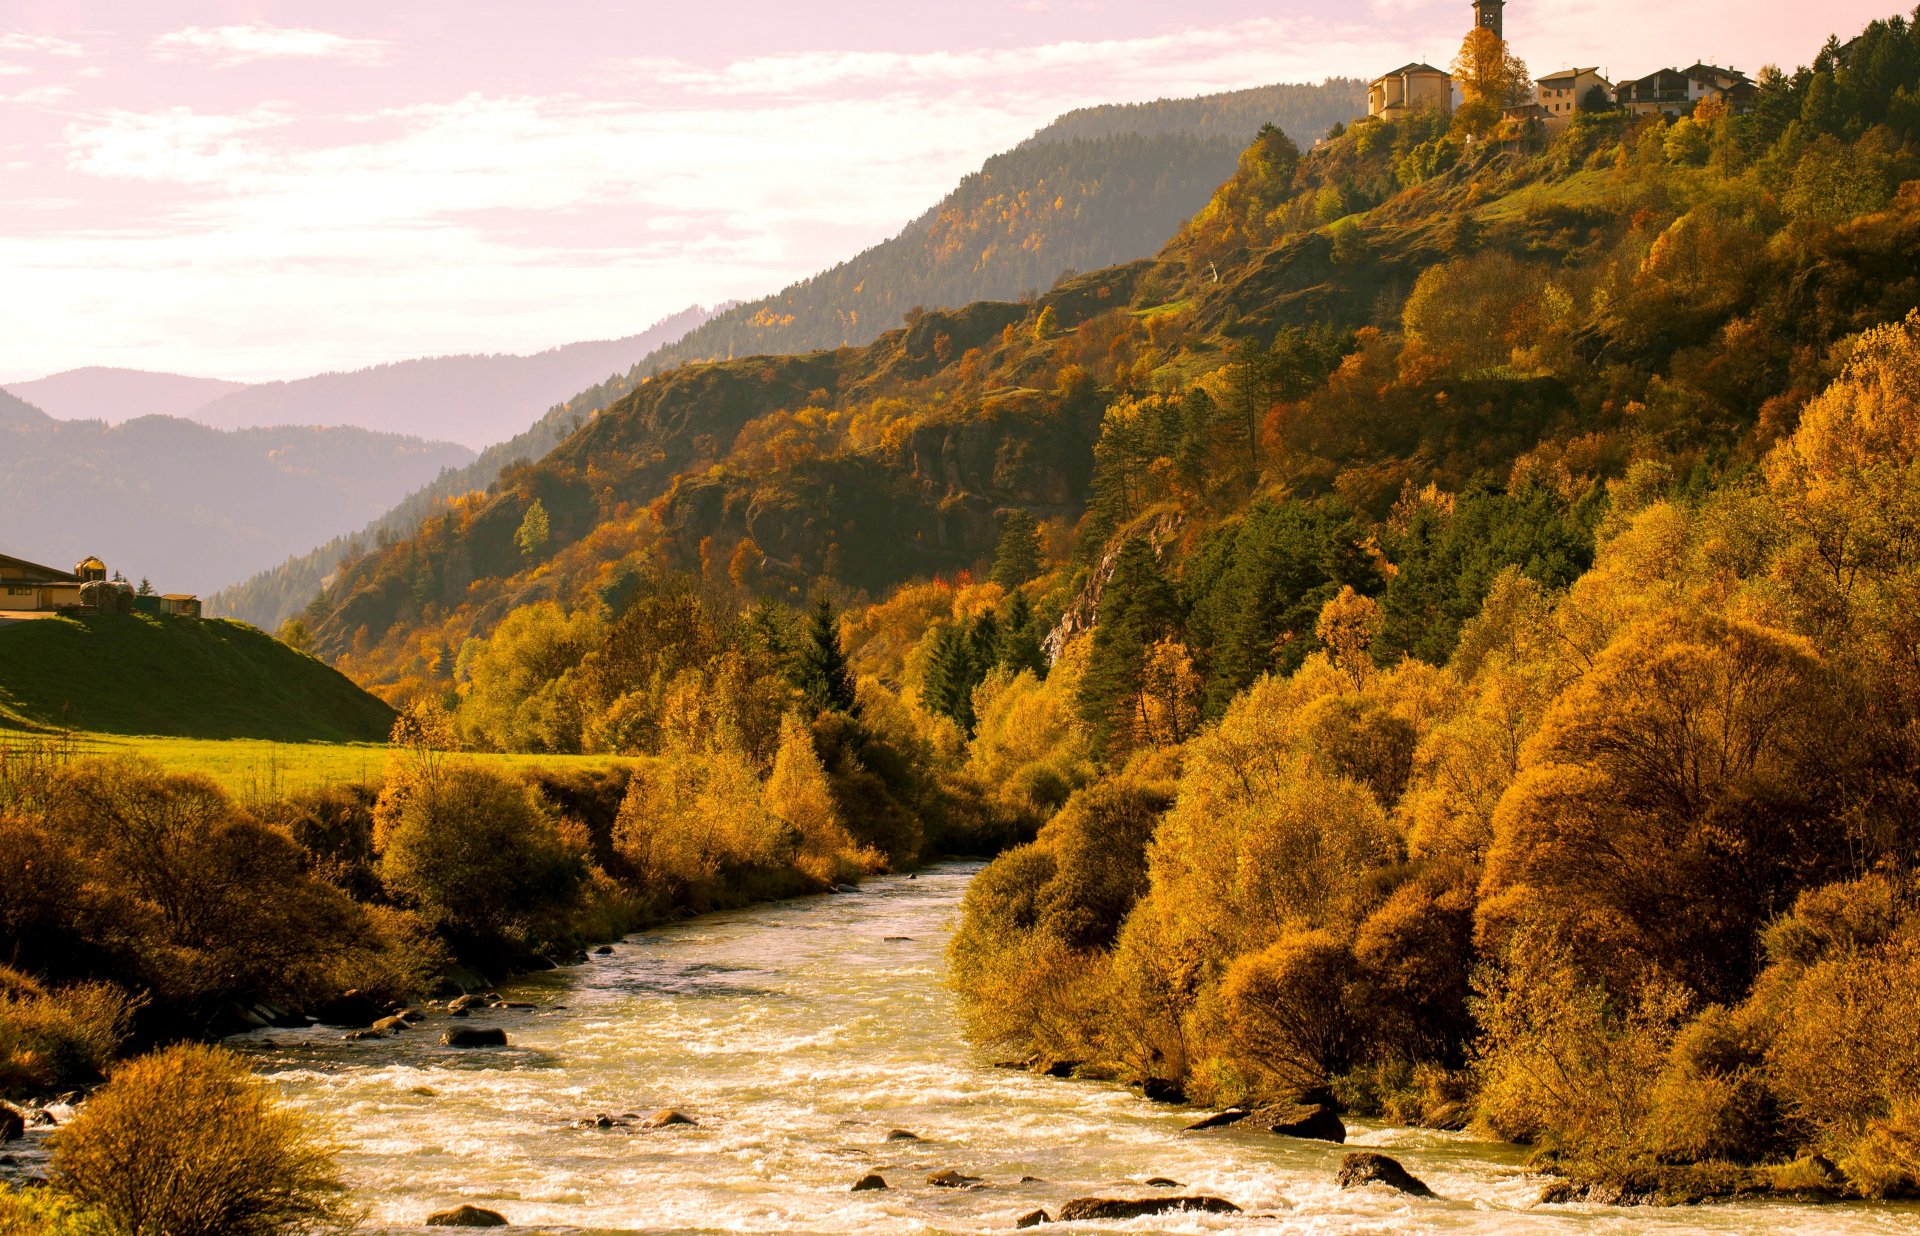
(1487,16)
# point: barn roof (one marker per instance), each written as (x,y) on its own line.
(39,574)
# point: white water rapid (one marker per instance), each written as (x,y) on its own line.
(799,1035)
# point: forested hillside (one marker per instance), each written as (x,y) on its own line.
(1445,622)
(267,599)
(1098,186)
(186,505)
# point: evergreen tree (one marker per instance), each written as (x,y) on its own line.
(1020,639)
(1017,558)
(1137,609)
(146,587)
(953,671)
(822,675)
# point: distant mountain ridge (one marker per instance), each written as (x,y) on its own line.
(102,393)
(474,400)
(187,505)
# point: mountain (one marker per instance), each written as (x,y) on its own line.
(474,400)
(1294,316)
(189,506)
(1097,186)
(136,674)
(115,395)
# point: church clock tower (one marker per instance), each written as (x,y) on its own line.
(1487,16)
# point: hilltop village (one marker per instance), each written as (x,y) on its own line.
(30,590)
(1553,100)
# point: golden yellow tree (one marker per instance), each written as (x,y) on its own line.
(1490,78)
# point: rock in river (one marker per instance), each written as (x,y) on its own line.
(1033,1218)
(1315,1122)
(1364,1167)
(666,1116)
(1084,1209)
(951,1179)
(870,1183)
(475,1036)
(467,1216)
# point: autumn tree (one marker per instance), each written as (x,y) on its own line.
(534,531)
(1490,77)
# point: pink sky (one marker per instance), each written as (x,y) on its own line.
(270,188)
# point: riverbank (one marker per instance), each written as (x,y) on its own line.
(800,1035)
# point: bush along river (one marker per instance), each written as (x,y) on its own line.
(814,1044)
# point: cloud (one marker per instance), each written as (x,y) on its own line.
(234,45)
(177,145)
(42,44)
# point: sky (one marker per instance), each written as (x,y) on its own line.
(257,189)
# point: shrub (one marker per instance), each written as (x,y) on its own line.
(1287,1012)
(60,1039)
(479,853)
(185,1142)
(42,1212)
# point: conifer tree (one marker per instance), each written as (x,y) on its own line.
(1017,557)
(1020,639)
(1138,608)
(822,675)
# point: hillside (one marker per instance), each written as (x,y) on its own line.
(102,394)
(477,401)
(116,674)
(1095,187)
(876,465)
(188,506)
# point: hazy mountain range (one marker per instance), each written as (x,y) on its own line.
(1098,186)
(186,505)
(474,400)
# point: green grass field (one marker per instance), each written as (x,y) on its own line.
(178,677)
(254,770)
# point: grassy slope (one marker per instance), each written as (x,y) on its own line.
(180,678)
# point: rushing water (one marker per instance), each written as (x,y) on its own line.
(799,1035)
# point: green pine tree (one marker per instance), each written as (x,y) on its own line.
(1138,607)
(821,673)
(1020,639)
(1017,557)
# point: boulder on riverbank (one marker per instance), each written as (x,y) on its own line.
(474,1036)
(12,1123)
(1089,1209)
(349,1011)
(467,1216)
(1159,1090)
(1365,1167)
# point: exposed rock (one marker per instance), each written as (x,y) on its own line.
(869,1183)
(467,1216)
(666,1117)
(605,950)
(1365,1167)
(1061,1068)
(951,1179)
(1033,1218)
(12,1124)
(41,1119)
(409,1014)
(474,1036)
(355,1036)
(460,1004)
(901,1135)
(1219,1120)
(1162,1182)
(521,1005)
(845,888)
(392,1025)
(1159,1090)
(1316,1123)
(896,940)
(1084,1209)
(459,1013)
(351,1011)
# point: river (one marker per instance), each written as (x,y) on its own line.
(799,1035)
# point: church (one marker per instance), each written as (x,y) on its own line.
(1418,86)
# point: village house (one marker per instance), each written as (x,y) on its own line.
(1560,95)
(1676,92)
(30,588)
